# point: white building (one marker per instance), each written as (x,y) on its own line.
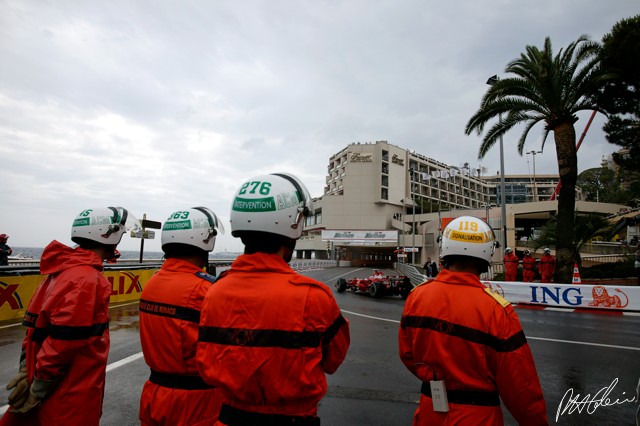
(380,197)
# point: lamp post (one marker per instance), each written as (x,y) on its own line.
(503,196)
(535,186)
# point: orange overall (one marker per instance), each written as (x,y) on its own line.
(67,338)
(453,330)
(528,269)
(547,268)
(170,303)
(511,262)
(268,336)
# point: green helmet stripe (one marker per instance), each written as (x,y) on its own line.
(177,225)
(255,205)
(82,221)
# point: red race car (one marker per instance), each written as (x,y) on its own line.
(377,285)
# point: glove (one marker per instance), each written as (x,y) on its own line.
(38,391)
(20,386)
(31,401)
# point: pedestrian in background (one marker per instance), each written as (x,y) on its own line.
(5,250)
(547,266)
(528,267)
(465,342)
(511,263)
(170,304)
(268,335)
(431,269)
(64,354)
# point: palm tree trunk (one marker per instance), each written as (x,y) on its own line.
(565,139)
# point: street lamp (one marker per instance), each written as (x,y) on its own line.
(493,80)
(535,186)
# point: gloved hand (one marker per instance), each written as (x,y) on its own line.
(38,391)
(20,386)
(30,402)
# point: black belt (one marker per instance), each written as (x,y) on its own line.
(177,381)
(483,398)
(235,417)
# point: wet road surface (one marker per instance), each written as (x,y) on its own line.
(582,354)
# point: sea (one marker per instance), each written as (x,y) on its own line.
(36,253)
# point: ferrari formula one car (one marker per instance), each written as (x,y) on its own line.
(377,285)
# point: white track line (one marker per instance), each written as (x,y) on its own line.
(575,342)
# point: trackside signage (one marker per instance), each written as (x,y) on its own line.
(623,298)
(16,291)
(360,236)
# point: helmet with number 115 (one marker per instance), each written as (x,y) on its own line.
(197,227)
(468,236)
(277,204)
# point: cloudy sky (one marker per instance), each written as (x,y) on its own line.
(161,105)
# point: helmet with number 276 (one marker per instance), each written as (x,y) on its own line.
(468,236)
(276,203)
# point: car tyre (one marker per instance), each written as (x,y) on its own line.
(341,285)
(375,290)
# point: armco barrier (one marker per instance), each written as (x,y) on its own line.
(17,286)
(302,264)
(569,296)
(573,296)
(19,283)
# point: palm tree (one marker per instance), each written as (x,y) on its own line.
(586,228)
(550,89)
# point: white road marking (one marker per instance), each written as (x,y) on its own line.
(575,342)
(124,361)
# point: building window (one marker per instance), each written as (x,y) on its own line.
(385,180)
(385,168)
(384,194)
(385,155)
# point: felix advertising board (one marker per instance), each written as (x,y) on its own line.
(16,290)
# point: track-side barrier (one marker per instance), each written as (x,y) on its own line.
(570,296)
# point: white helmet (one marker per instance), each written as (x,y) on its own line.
(547,250)
(277,203)
(105,225)
(508,250)
(527,252)
(468,236)
(197,226)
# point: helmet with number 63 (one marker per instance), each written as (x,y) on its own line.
(277,203)
(468,236)
(105,225)
(197,226)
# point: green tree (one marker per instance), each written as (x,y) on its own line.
(586,228)
(549,89)
(601,185)
(620,99)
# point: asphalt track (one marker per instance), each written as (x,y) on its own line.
(588,363)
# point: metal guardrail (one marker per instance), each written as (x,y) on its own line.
(301,264)
(414,273)
(33,265)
